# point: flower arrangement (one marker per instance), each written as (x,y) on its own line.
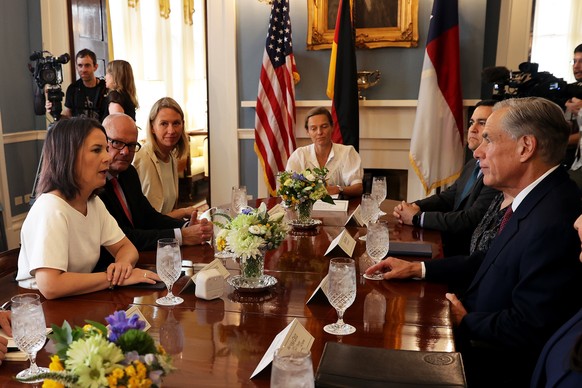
(92,356)
(305,186)
(249,234)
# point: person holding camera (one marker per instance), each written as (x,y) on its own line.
(573,106)
(86,96)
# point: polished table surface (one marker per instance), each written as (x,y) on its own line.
(220,342)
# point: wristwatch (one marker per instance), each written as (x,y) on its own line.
(416,219)
(341,189)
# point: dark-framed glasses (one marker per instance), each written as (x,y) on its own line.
(119,145)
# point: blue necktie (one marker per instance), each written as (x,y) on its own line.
(470,182)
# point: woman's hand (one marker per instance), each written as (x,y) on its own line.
(118,271)
(139,275)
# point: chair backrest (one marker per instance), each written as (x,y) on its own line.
(9,261)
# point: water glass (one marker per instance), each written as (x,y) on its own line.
(238,199)
(369,209)
(292,369)
(374,312)
(379,190)
(169,267)
(377,244)
(341,293)
(29,331)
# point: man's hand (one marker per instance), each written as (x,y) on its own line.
(573,105)
(197,232)
(394,268)
(5,322)
(405,211)
(458,311)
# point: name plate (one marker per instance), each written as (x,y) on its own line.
(338,206)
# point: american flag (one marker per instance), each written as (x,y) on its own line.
(275,110)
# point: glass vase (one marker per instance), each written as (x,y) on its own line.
(252,269)
(304,213)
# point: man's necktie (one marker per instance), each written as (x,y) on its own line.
(505,219)
(121,199)
(470,183)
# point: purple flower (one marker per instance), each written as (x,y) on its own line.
(156,376)
(247,210)
(120,324)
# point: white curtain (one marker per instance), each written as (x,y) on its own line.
(557,31)
(168,56)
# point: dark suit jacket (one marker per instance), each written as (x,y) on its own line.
(528,282)
(148,224)
(457,217)
(553,368)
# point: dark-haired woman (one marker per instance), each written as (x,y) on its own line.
(65,228)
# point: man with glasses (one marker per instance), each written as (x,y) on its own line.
(457,210)
(124,199)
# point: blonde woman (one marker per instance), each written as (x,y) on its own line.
(121,96)
(157,164)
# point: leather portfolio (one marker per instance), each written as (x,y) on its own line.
(357,366)
(404,248)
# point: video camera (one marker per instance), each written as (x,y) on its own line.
(48,70)
(529,82)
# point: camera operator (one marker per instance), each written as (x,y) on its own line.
(573,106)
(86,96)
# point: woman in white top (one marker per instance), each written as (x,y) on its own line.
(343,162)
(62,235)
(157,164)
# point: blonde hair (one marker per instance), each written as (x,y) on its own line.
(181,148)
(122,74)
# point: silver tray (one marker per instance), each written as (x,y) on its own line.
(241,285)
(297,225)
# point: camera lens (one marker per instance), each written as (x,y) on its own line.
(48,75)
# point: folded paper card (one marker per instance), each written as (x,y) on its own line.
(338,206)
(357,217)
(404,248)
(345,241)
(343,365)
(293,337)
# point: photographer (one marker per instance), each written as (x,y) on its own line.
(86,96)
(573,106)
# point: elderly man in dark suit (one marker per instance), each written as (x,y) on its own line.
(457,210)
(124,199)
(528,283)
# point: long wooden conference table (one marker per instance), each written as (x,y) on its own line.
(220,342)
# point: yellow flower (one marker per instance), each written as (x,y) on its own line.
(141,370)
(161,350)
(56,364)
(130,370)
(52,384)
(112,381)
(117,373)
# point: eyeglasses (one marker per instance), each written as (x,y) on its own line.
(119,145)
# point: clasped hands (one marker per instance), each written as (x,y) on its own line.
(393,268)
(405,211)
(197,231)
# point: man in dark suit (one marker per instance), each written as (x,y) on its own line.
(528,283)
(457,210)
(142,224)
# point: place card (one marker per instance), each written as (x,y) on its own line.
(323,286)
(338,206)
(345,241)
(214,264)
(357,217)
(293,338)
(135,310)
(276,209)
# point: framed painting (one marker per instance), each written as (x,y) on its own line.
(379,23)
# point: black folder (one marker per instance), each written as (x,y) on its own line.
(403,248)
(344,365)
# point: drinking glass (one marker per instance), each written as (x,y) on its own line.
(169,267)
(29,331)
(377,243)
(341,293)
(238,199)
(379,191)
(368,210)
(374,312)
(220,216)
(292,369)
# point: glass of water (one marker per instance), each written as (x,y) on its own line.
(377,244)
(341,293)
(169,267)
(379,191)
(238,199)
(29,331)
(292,369)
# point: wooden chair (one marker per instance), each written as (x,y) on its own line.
(9,261)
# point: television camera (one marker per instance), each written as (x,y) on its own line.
(48,71)
(529,82)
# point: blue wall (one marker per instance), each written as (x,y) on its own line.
(400,67)
(20,35)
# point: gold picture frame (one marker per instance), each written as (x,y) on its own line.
(393,24)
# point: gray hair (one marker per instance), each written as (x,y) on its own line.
(540,118)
